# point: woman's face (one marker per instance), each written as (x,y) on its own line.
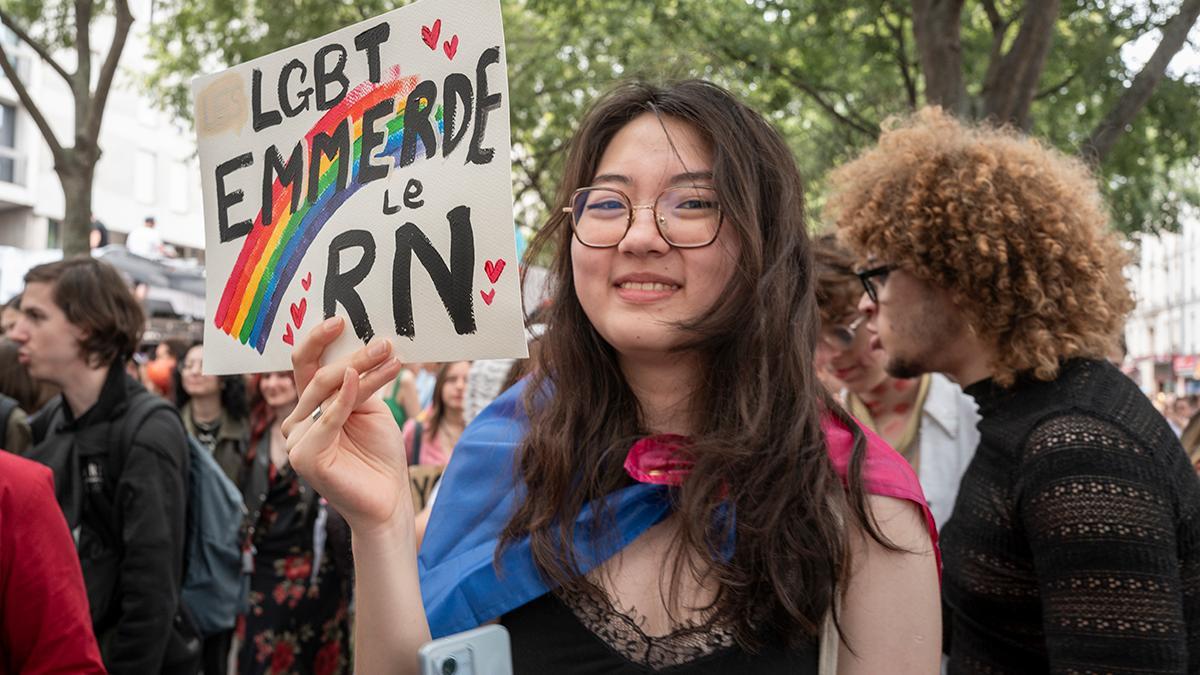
(857,365)
(455,385)
(278,390)
(635,292)
(195,383)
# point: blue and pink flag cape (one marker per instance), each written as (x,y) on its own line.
(460,585)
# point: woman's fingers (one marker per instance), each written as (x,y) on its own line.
(320,384)
(306,357)
(372,360)
(371,382)
(323,433)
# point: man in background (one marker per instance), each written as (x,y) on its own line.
(121,481)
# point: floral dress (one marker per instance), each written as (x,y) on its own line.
(297,622)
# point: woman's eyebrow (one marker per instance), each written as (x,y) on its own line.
(613,178)
(692,177)
(687,177)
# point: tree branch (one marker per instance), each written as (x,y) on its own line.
(39,48)
(1056,86)
(901,53)
(1021,68)
(1112,127)
(56,148)
(999,25)
(109,69)
(81,83)
(938,32)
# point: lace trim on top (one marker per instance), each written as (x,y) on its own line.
(623,633)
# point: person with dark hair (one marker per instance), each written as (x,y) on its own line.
(215,411)
(928,419)
(18,397)
(120,475)
(1075,541)
(98,234)
(298,620)
(9,314)
(672,488)
(431,440)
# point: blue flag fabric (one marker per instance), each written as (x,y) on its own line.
(480,489)
(460,585)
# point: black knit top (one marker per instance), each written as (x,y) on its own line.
(1075,541)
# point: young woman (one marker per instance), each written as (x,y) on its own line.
(297,622)
(927,419)
(431,442)
(667,490)
(215,411)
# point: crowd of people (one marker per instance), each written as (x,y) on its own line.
(898,446)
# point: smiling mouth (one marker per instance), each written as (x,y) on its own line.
(647,286)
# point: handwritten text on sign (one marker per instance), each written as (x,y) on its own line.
(365,173)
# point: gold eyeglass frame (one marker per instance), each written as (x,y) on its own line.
(659,220)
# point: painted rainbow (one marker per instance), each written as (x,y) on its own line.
(271,254)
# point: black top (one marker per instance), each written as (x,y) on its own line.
(577,634)
(1075,543)
(133,585)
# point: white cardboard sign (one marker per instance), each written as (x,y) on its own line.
(363,174)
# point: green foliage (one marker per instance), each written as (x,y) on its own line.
(826,72)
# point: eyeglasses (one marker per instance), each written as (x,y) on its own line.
(866,276)
(841,337)
(686,217)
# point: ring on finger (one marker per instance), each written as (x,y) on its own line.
(316,415)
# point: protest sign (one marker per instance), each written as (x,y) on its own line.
(363,174)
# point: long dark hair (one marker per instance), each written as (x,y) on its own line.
(262,416)
(15,381)
(437,409)
(232,387)
(759,450)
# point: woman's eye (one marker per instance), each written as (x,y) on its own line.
(697,204)
(607,204)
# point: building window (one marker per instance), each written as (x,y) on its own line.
(179,187)
(8,143)
(144,176)
(54,233)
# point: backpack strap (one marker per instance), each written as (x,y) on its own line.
(7,407)
(100,490)
(418,432)
(41,421)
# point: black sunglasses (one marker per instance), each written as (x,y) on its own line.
(866,276)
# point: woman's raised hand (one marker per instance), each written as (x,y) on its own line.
(353,453)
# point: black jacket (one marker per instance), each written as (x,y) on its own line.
(133,587)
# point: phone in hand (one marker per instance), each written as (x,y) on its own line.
(480,651)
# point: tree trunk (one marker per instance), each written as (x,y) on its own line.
(1012,85)
(76,180)
(937,31)
(1112,127)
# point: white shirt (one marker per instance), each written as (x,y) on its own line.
(146,242)
(949,435)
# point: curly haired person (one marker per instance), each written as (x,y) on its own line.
(1075,540)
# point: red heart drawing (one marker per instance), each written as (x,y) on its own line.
(306,282)
(487,297)
(287,335)
(298,312)
(430,35)
(451,47)
(493,270)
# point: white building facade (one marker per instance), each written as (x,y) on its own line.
(148,165)
(1163,333)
